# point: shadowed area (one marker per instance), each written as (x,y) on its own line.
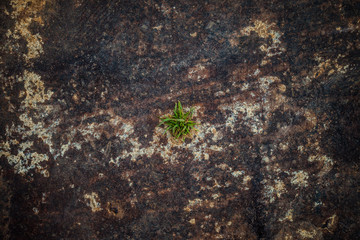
(274,85)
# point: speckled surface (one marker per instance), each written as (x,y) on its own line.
(275,86)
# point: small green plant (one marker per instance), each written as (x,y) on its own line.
(179,124)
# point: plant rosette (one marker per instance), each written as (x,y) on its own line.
(180,123)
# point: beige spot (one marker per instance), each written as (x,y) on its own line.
(36,210)
(158,27)
(233,42)
(282,88)
(246,179)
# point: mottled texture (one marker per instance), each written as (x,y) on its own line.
(275,86)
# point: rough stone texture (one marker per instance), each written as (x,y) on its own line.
(275,86)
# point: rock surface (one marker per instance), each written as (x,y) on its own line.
(275,86)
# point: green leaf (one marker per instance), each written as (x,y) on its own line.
(179,105)
(178,135)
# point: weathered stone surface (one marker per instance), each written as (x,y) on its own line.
(275,86)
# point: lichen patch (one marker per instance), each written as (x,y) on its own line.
(198,72)
(269,31)
(203,143)
(248,112)
(25,160)
(328,66)
(288,216)
(325,162)
(305,234)
(93,201)
(33,109)
(25,12)
(34,90)
(273,191)
(300,178)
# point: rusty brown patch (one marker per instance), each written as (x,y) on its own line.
(115,208)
